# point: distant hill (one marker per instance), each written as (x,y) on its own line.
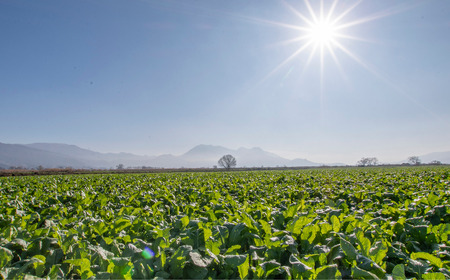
(57,155)
(208,155)
(443,157)
(14,155)
(90,158)
(205,153)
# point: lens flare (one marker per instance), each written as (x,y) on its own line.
(148,253)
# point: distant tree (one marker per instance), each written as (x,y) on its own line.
(367,161)
(227,161)
(120,166)
(415,160)
(436,162)
(373,161)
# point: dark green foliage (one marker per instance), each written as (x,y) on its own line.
(311,224)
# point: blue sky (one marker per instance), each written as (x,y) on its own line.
(155,77)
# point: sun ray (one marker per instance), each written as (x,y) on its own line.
(376,16)
(355,58)
(310,57)
(291,57)
(354,38)
(331,11)
(338,64)
(297,13)
(385,79)
(271,22)
(311,11)
(343,14)
(290,41)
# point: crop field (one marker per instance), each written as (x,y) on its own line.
(362,223)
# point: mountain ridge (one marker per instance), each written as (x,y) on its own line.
(57,155)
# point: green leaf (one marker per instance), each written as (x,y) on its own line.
(120,261)
(142,270)
(184,221)
(198,260)
(398,273)
(19,273)
(270,266)
(212,246)
(309,233)
(378,252)
(56,272)
(178,261)
(244,268)
(213,255)
(83,263)
(121,224)
(100,227)
(367,264)
(434,276)
(419,232)
(325,228)
(248,220)
(348,249)
(207,233)
(5,257)
(196,272)
(266,227)
(100,252)
(233,248)
(39,266)
(328,272)
(297,265)
(235,260)
(290,212)
(160,261)
(359,273)
(416,267)
(432,259)
(298,224)
(432,199)
(336,224)
(83,267)
(364,243)
(235,234)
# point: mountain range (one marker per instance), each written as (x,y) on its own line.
(55,155)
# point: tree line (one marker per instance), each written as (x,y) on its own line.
(412,160)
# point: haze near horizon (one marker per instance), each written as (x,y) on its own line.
(329,81)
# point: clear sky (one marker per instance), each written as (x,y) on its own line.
(155,77)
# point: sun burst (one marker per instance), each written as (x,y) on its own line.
(322,33)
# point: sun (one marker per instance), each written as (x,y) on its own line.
(323,30)
(322,33)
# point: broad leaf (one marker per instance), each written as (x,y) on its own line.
(398,273)
(432,259)
(348,249)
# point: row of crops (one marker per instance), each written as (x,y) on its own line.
(364,223)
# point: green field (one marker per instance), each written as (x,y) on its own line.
(368,223)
